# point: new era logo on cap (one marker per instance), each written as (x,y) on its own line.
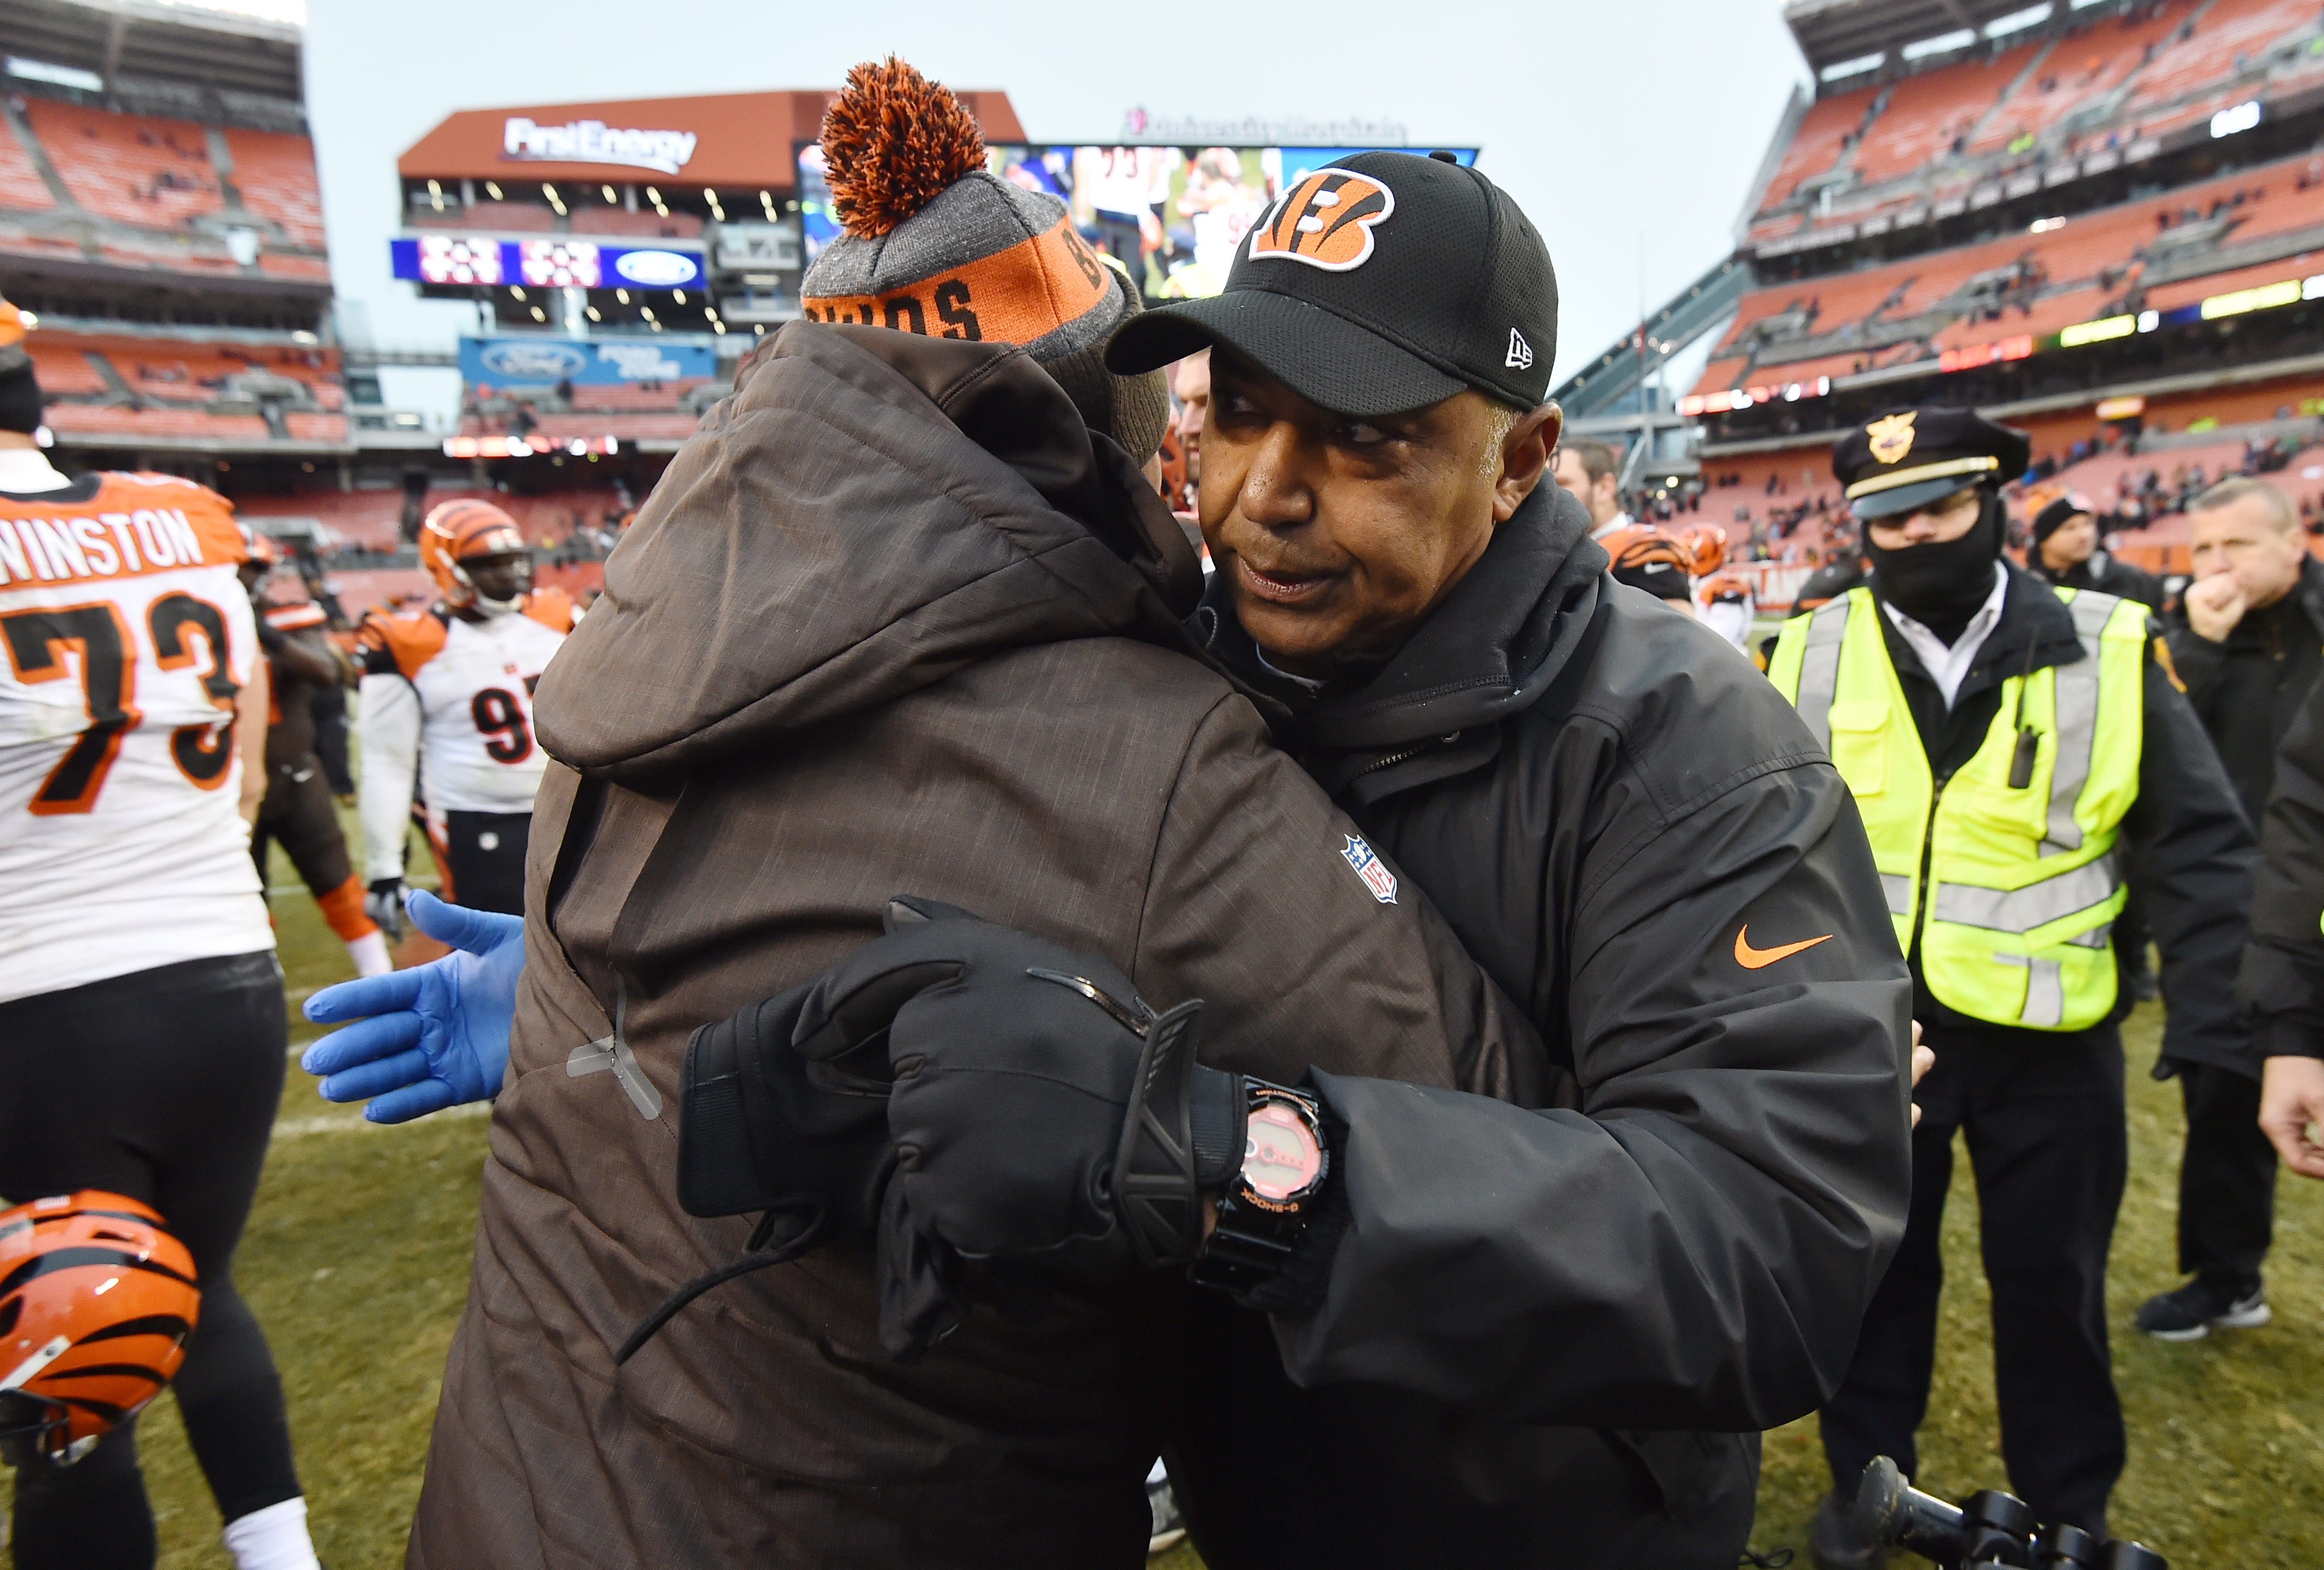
(1520,351)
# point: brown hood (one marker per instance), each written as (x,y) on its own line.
(869,512)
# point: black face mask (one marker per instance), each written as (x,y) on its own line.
(1942,584)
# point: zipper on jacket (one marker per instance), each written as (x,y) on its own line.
(1393,759)
(1926,896)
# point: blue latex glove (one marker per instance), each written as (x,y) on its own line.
(436,1034)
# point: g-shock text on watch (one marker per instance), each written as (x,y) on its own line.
(1267,1203)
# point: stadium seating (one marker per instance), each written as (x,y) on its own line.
(2136,73)
(2083,66)
(22,188)
(663,398)
(512,218)
(1927,112)
(652,225)
(64,371)
(1815,146)
(195,425)
(275,174)
(131,168)
(2228,36)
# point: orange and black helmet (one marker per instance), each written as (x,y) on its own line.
(1647,558)
(260,547)
(1707,544)
(465,531)
(96,1301)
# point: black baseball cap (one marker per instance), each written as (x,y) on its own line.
(1910,457)
(1384,282)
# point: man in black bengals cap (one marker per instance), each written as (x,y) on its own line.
(2021,759)
(1547,1328)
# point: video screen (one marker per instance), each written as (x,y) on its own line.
(1172,216)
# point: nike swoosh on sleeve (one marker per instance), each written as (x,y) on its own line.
(1752,959)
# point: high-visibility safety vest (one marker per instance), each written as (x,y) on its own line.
(2018,930)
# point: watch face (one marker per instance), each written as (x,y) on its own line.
(1280,1157)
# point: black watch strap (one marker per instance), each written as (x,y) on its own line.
(1253,1239)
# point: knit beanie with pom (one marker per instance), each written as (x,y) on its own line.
(935,244)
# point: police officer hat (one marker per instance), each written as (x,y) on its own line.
(1909,458)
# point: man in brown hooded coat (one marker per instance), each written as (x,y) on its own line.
(903,618)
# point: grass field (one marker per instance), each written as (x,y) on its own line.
(357,1260)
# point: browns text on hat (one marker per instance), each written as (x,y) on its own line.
(935,244)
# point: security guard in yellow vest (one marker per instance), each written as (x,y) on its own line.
(2016,752)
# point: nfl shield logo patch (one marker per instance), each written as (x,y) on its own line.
(1371,869)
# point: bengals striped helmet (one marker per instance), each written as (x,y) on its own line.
(259,546)
(1646,558)
(96,1304)
(467,531)
(1707,544)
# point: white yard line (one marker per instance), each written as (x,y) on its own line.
(353,1121)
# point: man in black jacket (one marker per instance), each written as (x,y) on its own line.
(1522,1336)
(2282,983)
(2249,643)
(2064,554)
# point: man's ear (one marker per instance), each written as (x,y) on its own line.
(1525,455)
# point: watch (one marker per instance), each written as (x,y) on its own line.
(1267,1202)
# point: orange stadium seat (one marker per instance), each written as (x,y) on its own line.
(607,399)
(2081,67)
(2229,31)
(64,370)
(512,217)
(275,174)
(316,428)
(1926,113)
(2187,292)
(1815,145)
(22,188)
(133,168)
(653,225)
(307,269)
(92,418)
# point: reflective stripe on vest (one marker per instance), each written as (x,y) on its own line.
(2017,927)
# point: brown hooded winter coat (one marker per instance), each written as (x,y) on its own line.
(893,623)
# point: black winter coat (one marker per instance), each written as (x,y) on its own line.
(2248,690)
(2189,849)
(2105,572)
(2281,983)
(1551,1336)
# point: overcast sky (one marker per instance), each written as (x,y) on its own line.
(1608,121)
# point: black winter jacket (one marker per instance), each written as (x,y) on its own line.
(2248,690)
(2190,851)
(2281,983)
(2105,572)
(1552,1336)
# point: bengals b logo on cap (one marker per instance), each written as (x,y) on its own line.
(1325,221)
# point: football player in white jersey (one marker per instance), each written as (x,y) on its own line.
(142,1027)
(446,698)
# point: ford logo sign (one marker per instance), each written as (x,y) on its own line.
(543,362)
(656,269)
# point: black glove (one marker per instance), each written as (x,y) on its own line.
(383,903)
(1041,1113)
(762,1124)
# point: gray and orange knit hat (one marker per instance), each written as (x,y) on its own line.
(937,246)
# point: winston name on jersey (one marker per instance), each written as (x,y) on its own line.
(457,696)
(127,638)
